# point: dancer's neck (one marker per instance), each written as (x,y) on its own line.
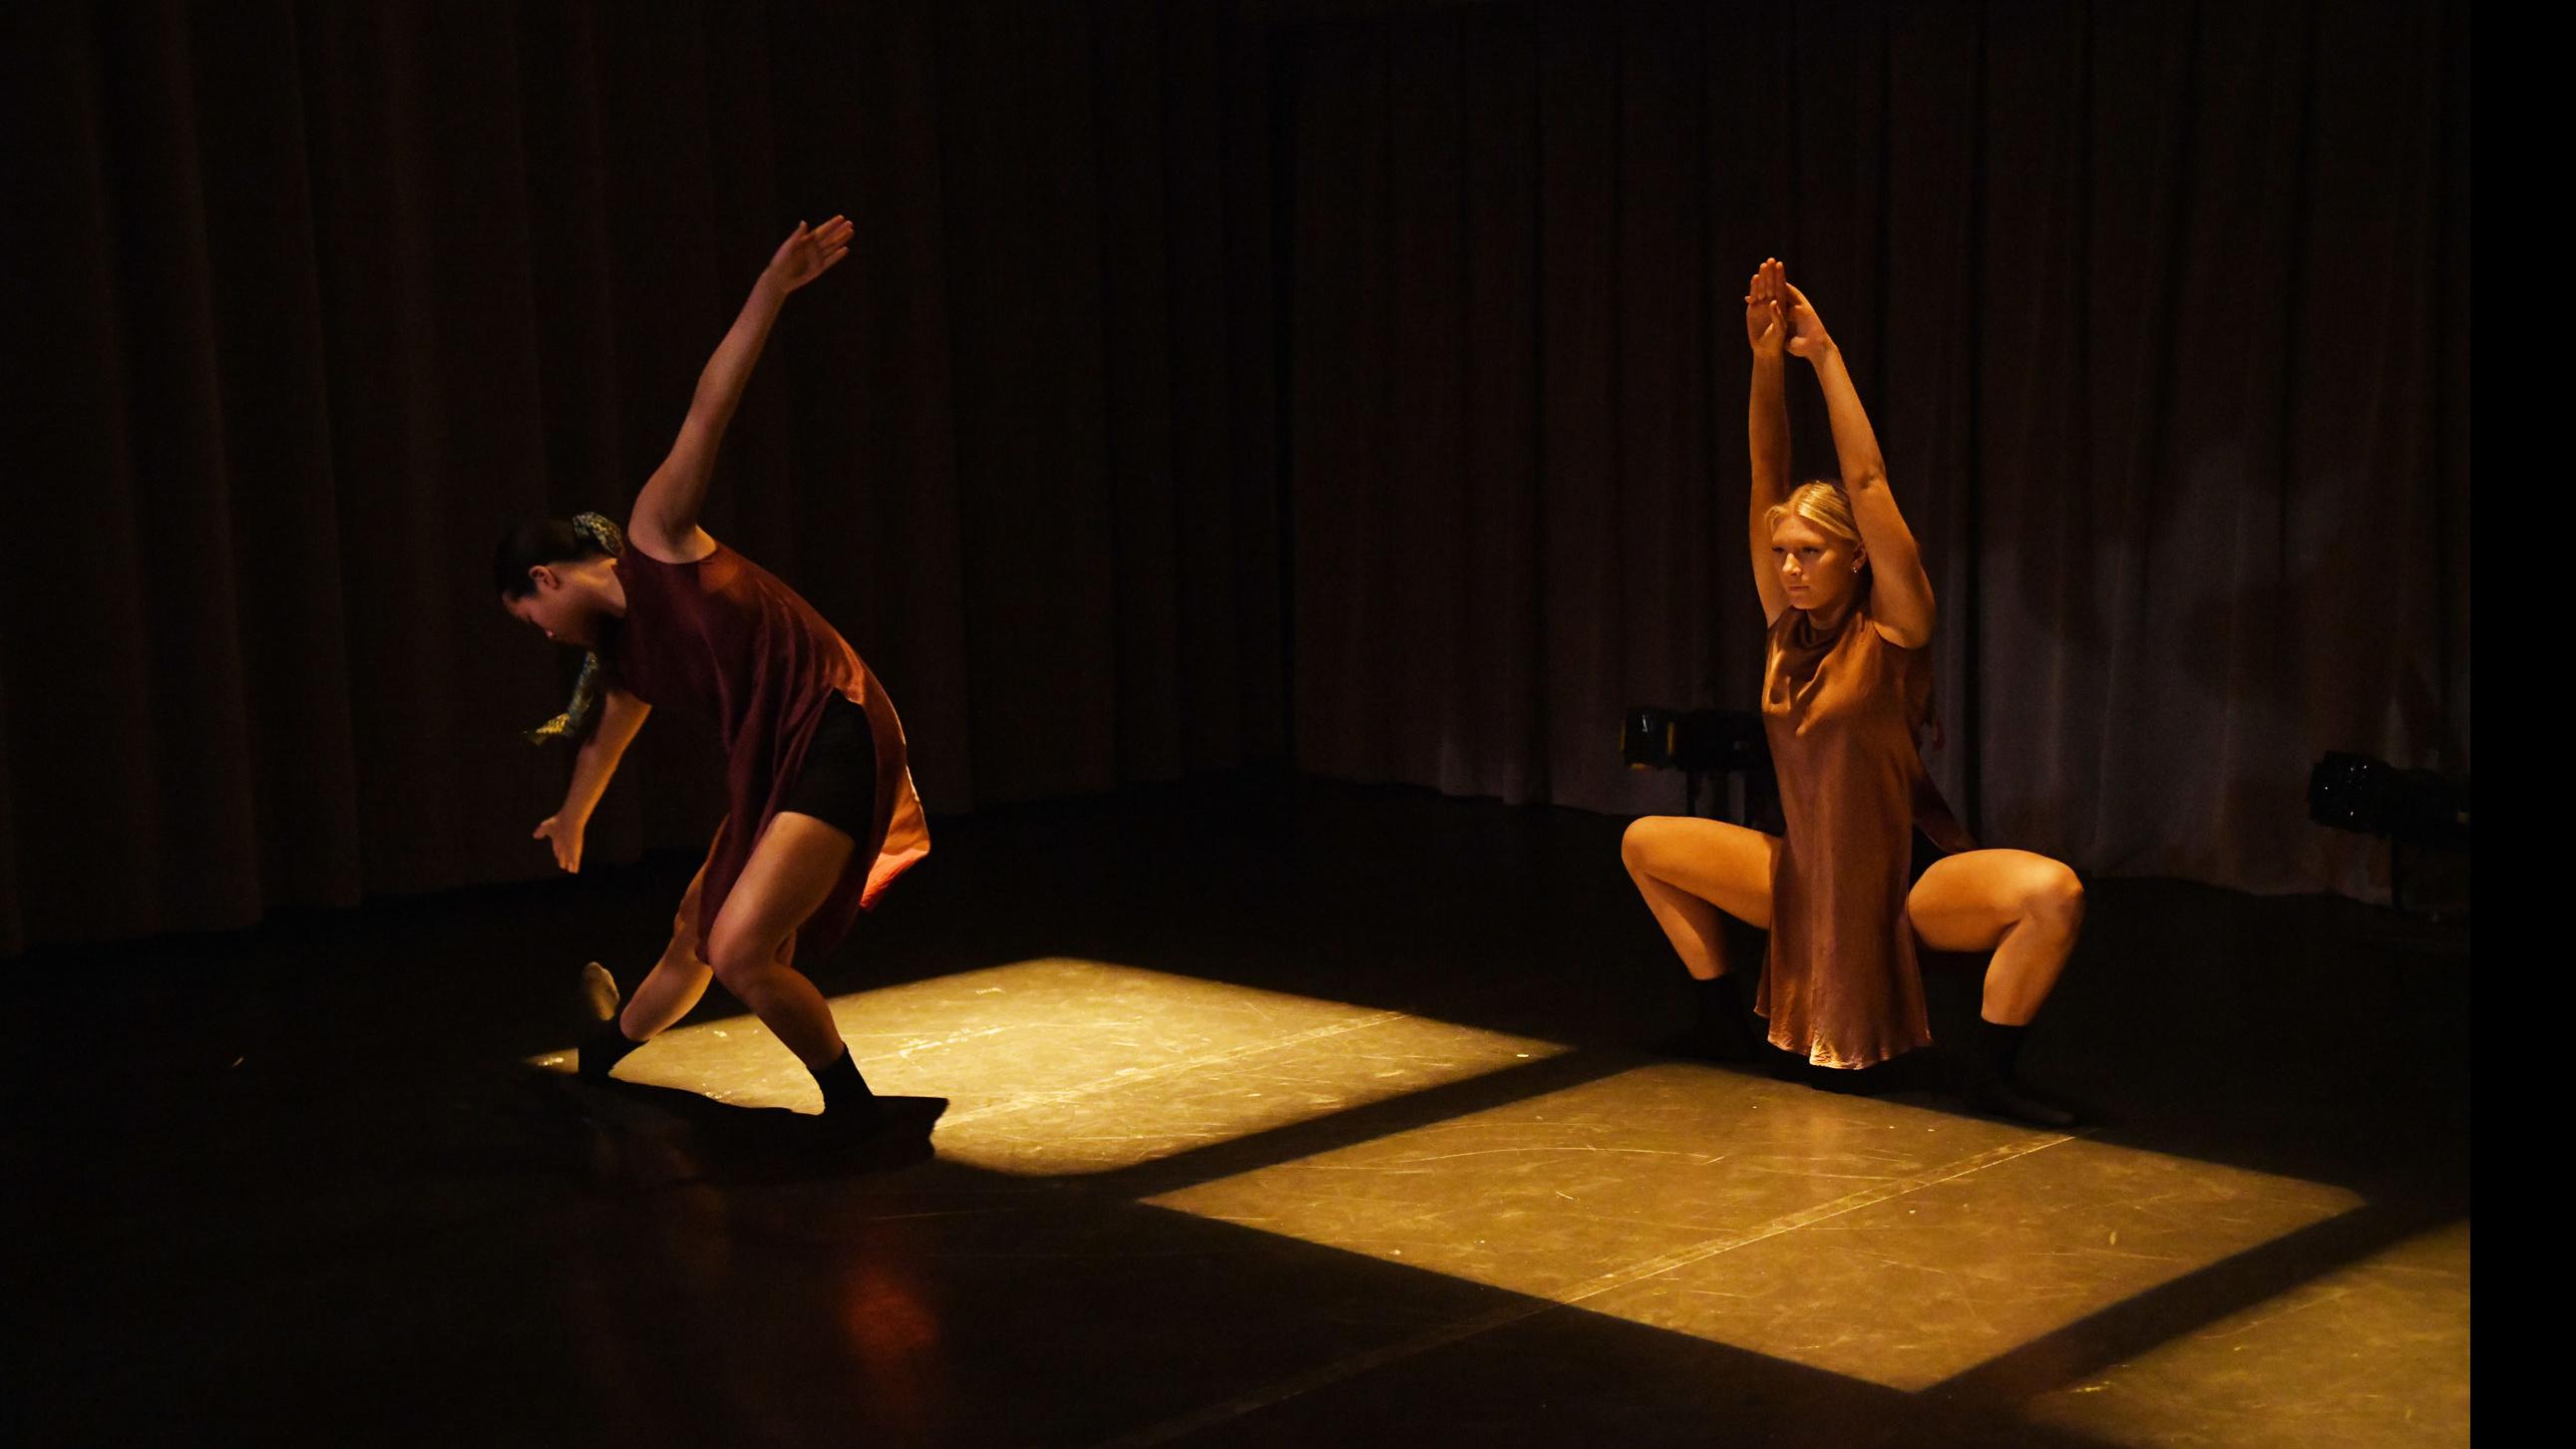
(1826,621)
(612,590)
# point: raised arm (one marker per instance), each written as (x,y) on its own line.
(665,522)
(1766,426)
(1901,592)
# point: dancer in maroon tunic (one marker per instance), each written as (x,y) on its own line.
(822,811)
(1846,686)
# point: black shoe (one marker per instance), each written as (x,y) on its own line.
(1995,1095)
(858,1133)
(847,1102)
(603,1044)
(883,1134)
(852,1122)
(597,995)
(1996,1090)
(1723,1031)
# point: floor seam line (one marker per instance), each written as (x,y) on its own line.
(1147,1074)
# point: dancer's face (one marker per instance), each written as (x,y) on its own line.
(1817,570)
(561,605)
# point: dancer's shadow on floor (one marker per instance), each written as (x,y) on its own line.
(1938,1078)
(628,1136)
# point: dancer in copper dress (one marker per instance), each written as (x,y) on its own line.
(1846,693)
(822,811)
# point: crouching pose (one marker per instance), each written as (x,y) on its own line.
(1872,859)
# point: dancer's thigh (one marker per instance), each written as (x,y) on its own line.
(684,922)
(791,872)
(1726,865)
(1966,902)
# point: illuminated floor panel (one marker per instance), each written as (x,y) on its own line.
(1063,1066)
(1862,1238)
(1922,1286)
(1549,1193)
(2377,1353)
(1868,1239)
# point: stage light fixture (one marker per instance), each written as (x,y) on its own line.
(1721,742)
(2409,807)
(2373,797)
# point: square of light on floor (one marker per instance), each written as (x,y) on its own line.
(2378,1343)
(1059,1065)
(1871,1239)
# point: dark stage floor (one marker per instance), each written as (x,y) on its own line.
(1280,1114)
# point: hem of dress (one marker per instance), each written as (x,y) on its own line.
(877,883)
(1842,1063)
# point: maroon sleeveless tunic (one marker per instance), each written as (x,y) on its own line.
(725,641)
(1840,709)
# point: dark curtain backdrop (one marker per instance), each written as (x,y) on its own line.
(1210,382)
(2161,311)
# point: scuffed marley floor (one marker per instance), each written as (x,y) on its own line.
(1276,1113)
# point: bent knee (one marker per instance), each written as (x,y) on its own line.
(2056,894)
(742,959)
(1637,842)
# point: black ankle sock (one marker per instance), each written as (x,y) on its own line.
(2000,1045)
(1717,1001)
(1999,1088)
(603,1049)
(1722,1030)
(844,1090)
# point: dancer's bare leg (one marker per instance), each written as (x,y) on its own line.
(2028,910)
(1690,870)
(1694,873)
(793,868)
(676,981)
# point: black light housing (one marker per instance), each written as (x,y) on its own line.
(1718,742)
(1698,741)
(2372,797)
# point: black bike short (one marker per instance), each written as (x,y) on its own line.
(838,782)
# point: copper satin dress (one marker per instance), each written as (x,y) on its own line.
(724,640)
(1840,709)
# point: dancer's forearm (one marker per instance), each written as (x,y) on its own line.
(677,492)
(1901,589)
(595,763)
(1766,427)
(1855,442)
(728,371)
(666,513)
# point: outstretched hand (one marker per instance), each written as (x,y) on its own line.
(809,252)
(1807,337)
(1764,327)
(565,835)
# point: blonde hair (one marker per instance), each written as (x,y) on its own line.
(1822,503)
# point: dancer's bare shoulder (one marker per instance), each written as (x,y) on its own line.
(690,548)
(1896,636)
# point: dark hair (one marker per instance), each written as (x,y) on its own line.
(533,544)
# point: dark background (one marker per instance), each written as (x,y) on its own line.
(1352,385)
